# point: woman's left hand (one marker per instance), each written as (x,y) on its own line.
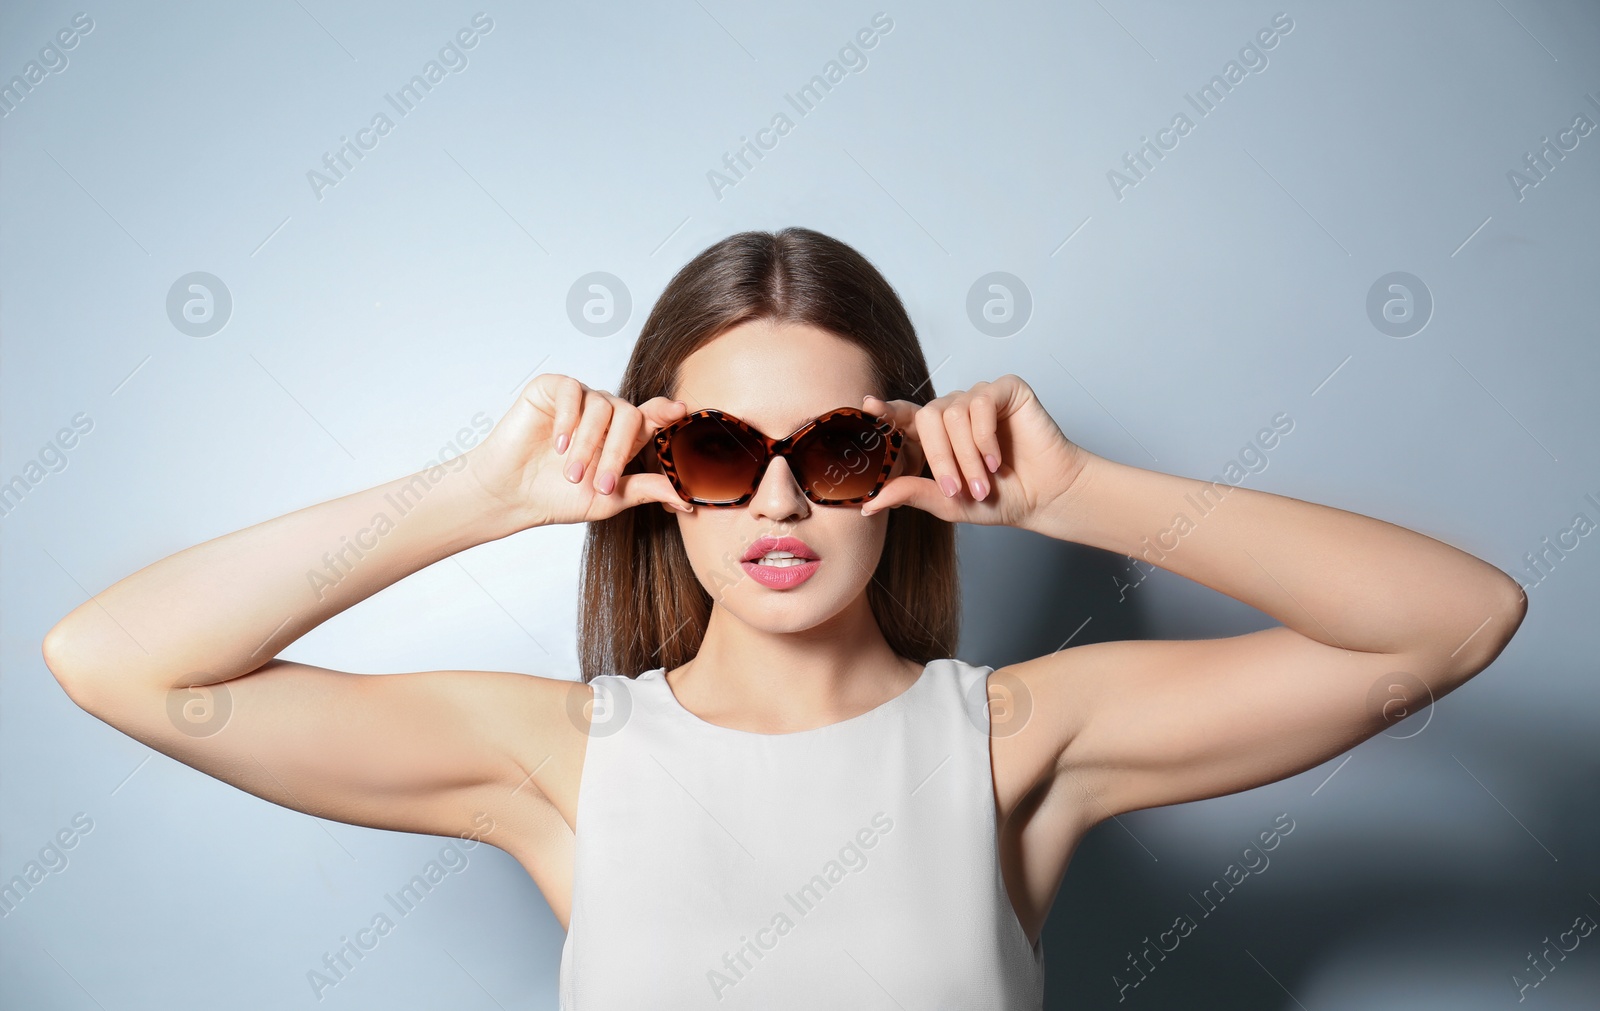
(996,455)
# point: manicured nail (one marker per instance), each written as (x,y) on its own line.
(949,486)
(990,462)
(978,488)
(561,443)
(574,470)
(605,483)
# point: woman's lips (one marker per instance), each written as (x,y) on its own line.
(793,545)
(780,577)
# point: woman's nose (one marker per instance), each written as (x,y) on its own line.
(778,495)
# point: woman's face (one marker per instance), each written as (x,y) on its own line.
(776,377)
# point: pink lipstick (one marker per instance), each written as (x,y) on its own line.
(780,562)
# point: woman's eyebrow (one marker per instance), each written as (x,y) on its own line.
(787,432)
(803,422)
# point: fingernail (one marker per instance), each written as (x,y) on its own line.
(978,488)
(575,470)
(866,510)
(606,482)
(990,462)
(948,485)
(561,443)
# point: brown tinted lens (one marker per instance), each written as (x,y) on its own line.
(841,458)
(716,461)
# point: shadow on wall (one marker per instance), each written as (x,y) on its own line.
(1434,897)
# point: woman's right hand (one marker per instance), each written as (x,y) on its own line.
(520,464)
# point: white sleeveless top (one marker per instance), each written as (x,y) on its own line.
(852,865)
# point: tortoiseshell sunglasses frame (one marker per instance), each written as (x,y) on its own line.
(776,447)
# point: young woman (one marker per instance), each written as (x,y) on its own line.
(775,786)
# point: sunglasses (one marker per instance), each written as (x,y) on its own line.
(715,459)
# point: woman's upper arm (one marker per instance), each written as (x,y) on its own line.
(1141,723)
(429,752)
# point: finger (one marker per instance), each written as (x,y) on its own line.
(659,412)
(913,461)
(586,440)
(917,492)
(936,448)
(986,429)
(898,412)
(621,434)
(569,406)
(648,418)
(901,414)
(958,428)
(643,487)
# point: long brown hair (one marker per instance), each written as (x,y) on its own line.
(641,605)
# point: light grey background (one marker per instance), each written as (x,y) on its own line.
(1168,326)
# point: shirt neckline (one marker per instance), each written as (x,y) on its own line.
(659,674)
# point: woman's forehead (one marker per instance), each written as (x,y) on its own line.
(775,377)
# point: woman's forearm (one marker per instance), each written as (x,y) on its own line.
(222,608)
(1338,577)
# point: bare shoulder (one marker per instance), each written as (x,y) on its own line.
(539,727)
(1135,724)
(1035,708)
(492,754)
(543,724)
